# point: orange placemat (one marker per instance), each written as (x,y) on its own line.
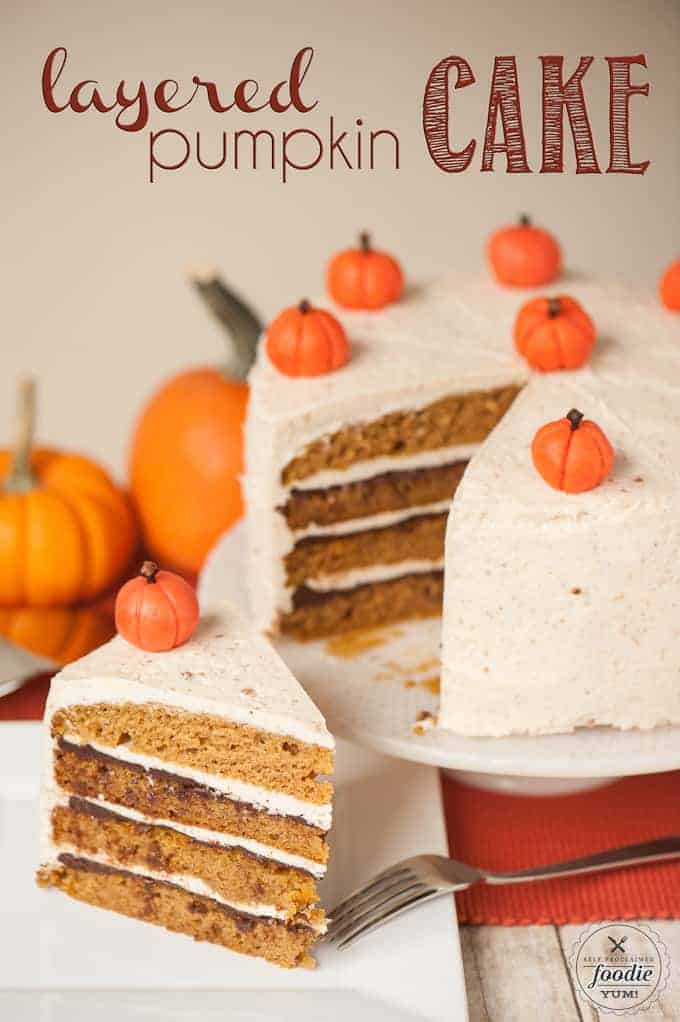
(506,832)
(28,702)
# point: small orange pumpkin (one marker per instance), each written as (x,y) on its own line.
(572,454)
(67,533)
(554,333)
(524,255)
(364,278)
(157,610)
(186,453)
(61,634)
(669,287)
(304,341)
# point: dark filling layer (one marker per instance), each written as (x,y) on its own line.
(244,920)
(81,805)
(184,786)
(389,491)
(365,606)
(417,538)
(305,597)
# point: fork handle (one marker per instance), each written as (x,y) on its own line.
(615,858)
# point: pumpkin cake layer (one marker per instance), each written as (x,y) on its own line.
(390,491)
(158,794)
(203,742)
(232,874)
(452,420)
(184,788)
(316,615)
(182,911)
(420,538)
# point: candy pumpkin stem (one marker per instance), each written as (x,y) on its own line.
(304,305)
(149,570)
(524,220)
(365,241)
(554,307)
(20,478)
(575,417)
(241,323)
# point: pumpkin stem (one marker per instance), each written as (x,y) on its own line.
(575,417)
(524,220)
(304,305)
(241,323)
(554,307)
(149,570)
(20,478)
(365,241)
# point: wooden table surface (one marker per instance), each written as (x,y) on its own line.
(520,974)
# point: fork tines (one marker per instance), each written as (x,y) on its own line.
(382,899)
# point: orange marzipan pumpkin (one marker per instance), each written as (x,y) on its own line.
(669,287)
(554,333)
(363,277)
(157,610)
(572,454)
(61,634)
(523,255)
(67,532)
(304,341)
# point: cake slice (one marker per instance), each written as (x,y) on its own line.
(187,789)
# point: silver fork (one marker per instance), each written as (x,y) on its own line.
(424,877)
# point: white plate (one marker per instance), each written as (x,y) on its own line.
(68,961)
(371,699)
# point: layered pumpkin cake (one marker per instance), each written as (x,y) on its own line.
(560,608)
(350,473)
(189,789)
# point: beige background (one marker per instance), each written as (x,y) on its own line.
(93,296)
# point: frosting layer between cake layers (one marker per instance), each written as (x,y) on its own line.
(187,788)
(561,610)
(372,453)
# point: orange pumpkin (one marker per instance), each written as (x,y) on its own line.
(304,341)
(67,533)
(186,454)
(572,454)
(157,610)
(524,255)
(364,278)
(669,287)
(61,634)
(554,333)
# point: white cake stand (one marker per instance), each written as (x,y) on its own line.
(372,692)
